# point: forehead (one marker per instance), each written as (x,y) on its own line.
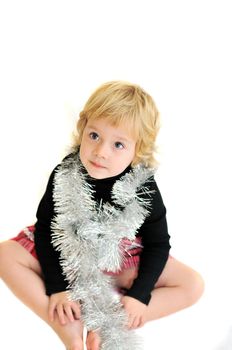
(120,130)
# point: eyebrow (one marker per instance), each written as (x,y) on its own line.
(122,138)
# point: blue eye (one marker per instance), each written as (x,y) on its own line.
(94,136)
(119,145)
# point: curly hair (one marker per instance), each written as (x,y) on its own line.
(127,104)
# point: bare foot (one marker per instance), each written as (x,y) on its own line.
(71,334)
(93,341)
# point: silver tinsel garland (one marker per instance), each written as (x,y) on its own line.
(88,235)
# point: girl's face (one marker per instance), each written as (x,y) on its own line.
(106,150)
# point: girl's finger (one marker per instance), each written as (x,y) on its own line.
(142,322)
(130,321)
(69,312)
(136,322)
(76,310)
(60,313)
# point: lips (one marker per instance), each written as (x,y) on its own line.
(97,165)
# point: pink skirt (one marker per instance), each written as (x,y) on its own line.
(26,239)
(132,249)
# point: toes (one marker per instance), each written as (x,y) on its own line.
(93,341)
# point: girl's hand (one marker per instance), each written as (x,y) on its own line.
(65,309)
(135,311)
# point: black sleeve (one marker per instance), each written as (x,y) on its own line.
(155,240)
(47,255)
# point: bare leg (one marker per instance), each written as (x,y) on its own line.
(178,287)
(19,270)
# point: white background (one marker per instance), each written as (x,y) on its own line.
(53,55)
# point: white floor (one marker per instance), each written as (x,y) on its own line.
(200,327)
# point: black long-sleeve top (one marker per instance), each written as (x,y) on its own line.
(154,234)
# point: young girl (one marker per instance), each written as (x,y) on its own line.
(98,254)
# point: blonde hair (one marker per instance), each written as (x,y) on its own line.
(123,103)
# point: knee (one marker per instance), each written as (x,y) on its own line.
(4,255)
(8,255)
(194,287)
(3,251)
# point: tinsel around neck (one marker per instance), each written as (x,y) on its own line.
(88,235)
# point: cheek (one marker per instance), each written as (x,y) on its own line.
(128,159)
(83,150)
(84,145)
(132,155)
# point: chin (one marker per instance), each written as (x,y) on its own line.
(96,175)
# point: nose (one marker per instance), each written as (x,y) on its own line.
(102,150)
